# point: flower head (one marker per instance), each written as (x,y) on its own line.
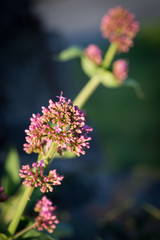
(119,26)
(120,70)
(94,54)
(34,177)
(62,123)
(3,195)
(46,218)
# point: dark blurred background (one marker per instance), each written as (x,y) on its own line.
(113,192)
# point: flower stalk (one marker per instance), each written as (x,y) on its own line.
(23,231)
(87,91)
(50,154)
(110,55)
(22,204)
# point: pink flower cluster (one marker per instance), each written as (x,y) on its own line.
(3,195)
(120,70)
(34,177)
(119,26)
(62,123)
(94,54)
(46,218)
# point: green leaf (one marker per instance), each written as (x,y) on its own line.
(136,86)
(88,66)
(32,233)
(11,178)
(35,234)
(69,53)
(108,79)
(9,207)
(12,165)
(3,236)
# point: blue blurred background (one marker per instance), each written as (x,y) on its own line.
(113,192)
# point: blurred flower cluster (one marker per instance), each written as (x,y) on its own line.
(120,27)
(46,218)
(120,70)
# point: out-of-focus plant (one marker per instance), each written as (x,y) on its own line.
(119,27)
(62,129)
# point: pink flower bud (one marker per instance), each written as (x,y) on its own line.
(120,70)
(94,54)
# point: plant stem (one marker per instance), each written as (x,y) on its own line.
(109,55)
(86,92)
(20,209)
(52,151)
(23,231)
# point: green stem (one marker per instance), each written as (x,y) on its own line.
(20,209)
(50,154)
(109,55)
(86,92)
(52,151)
(23,231)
